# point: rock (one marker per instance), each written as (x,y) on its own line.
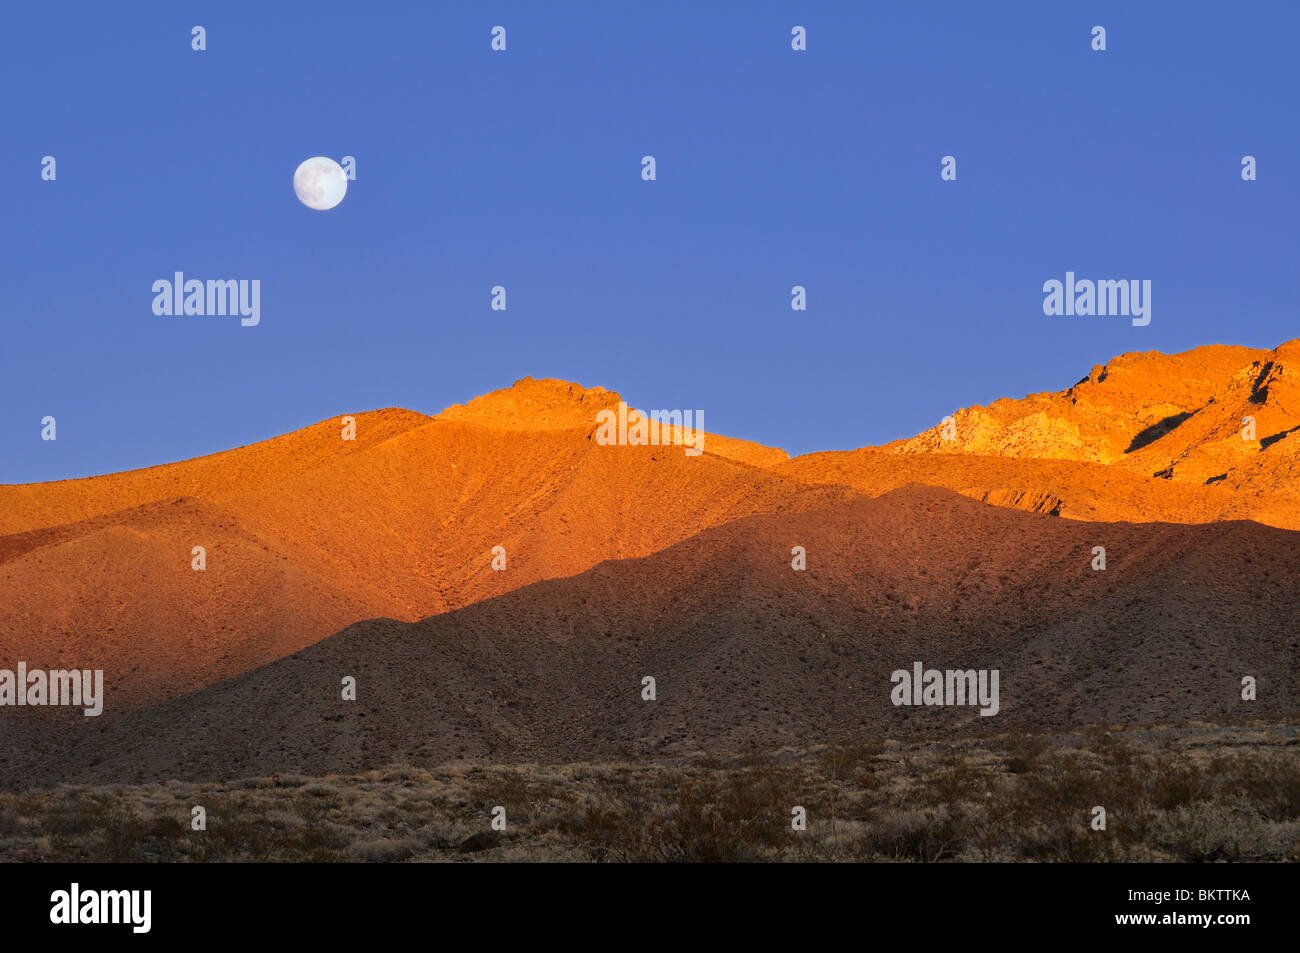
(483,840)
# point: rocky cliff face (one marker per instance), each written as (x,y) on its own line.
(1217,416)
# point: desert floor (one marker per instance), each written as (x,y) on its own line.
(1191,793)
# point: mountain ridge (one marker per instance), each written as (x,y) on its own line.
(308,532)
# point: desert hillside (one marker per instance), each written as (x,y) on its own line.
(309,533)
(748,652)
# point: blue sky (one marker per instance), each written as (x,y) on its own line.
(522,169)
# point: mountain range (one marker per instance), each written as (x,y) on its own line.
(970,545)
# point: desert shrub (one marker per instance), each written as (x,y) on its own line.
(75,815)
(846,759)
(1024,752)
(927,835)
(1167,783)
(957,781)
(9,815)
(1271,782)
(743,815)
(383,850)
(1232,831)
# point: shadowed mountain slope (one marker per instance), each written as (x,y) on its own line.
(748,652)
(307,533)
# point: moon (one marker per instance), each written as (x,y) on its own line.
(320,183)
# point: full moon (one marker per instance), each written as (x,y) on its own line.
(320,183)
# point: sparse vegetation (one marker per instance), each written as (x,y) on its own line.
(1198,795)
